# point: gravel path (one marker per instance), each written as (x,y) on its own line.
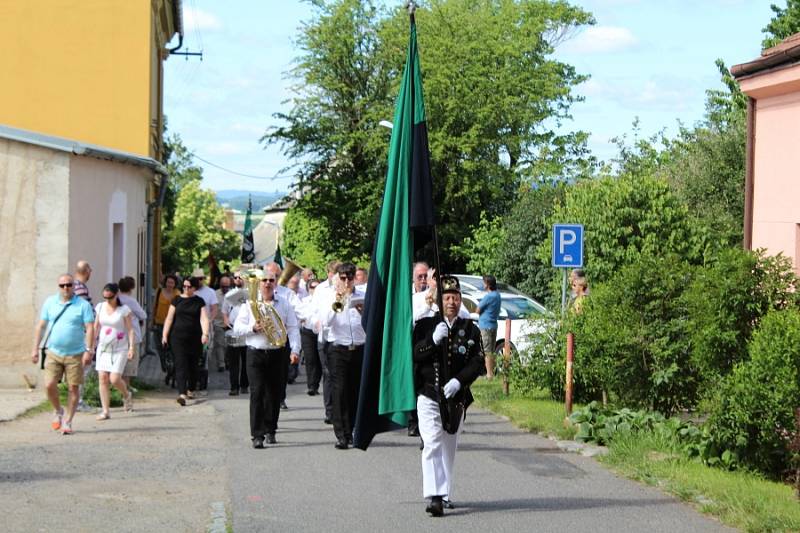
(163,468)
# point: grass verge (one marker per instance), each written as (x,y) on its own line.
(742,500)
(536,413)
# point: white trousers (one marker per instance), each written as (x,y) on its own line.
(439,452)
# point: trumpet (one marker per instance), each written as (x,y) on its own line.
(339,303)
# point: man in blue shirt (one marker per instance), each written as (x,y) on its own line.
(69,347)
(489,309)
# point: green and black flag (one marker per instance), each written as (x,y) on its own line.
(278,258)
(248,247)
(406,223)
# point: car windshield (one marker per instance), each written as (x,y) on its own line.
(521,308)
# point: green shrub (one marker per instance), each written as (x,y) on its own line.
(91,392)
(631,338)
(543,366)
(755,404)
(725,302)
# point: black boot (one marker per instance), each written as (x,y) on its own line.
(436,507)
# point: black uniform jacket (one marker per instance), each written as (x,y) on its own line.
(464,357)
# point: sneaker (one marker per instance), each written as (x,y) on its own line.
(58,417)
(84,407)
(66,428)
(181,400)
(190,395)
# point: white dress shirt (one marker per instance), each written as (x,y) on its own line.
(306,313)
(345,327)
(245,322)
(323,296)
(421,309)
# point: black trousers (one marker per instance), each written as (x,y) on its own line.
(327,378)
(237,367)
(186,352)
(346,366)
(308,340)
(266,370)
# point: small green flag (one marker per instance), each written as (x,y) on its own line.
(248,246)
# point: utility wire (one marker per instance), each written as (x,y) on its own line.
(271,178)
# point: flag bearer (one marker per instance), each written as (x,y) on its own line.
(448,357)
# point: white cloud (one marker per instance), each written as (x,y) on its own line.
(602,39)
(199,19)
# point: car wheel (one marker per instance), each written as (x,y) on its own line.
(498,349)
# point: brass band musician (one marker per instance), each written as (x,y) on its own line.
(347,336)
(269,325)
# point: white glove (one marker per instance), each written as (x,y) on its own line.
(451,388)
(440,333)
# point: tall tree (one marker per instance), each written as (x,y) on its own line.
(493,92)
(785,23)
(197,232)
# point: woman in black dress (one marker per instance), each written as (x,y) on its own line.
(186,331)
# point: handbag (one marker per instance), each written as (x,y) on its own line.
(43,346)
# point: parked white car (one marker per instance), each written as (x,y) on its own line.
(526,314)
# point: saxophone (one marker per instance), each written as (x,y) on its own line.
(265,314)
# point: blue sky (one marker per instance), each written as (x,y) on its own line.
(652,59)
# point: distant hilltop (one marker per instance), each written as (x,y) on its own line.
(237,199)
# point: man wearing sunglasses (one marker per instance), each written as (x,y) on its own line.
(267,362)
(69,321)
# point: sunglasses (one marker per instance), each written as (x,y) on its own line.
(268,280)
(188,287)
(65,285)
(346,277)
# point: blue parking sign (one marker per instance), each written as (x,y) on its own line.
(567,245)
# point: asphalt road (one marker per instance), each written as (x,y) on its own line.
(163,468)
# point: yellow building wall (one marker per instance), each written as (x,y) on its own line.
(79,69)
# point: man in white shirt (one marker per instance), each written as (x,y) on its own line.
(323,297)
(219,344)
(267,360)
(307,316)
(347,336)
(274,269)
(420,273)
(236,349)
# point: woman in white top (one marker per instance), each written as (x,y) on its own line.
(115,345)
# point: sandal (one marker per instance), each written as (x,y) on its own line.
(102,416)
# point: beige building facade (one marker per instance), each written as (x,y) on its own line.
(60,202)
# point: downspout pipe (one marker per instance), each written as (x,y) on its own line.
(148,267)
(749,173)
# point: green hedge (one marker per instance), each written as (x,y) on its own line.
(754,406)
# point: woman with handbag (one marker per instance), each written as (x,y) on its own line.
(164,296)
(186,333)
(115,345)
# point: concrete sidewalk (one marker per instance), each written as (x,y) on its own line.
(16,397)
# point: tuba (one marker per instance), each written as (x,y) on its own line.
(291,269)
(265,314)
